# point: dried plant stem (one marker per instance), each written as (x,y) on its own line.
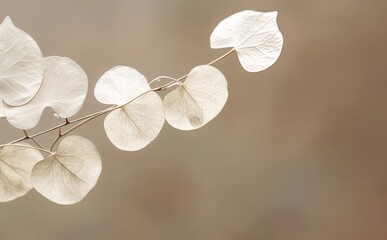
(28,137)
(162,77)
(26,146)
(222,57)
(83,120)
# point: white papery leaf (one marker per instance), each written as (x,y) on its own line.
(67,176)
(1,109)
(63,89)
(198,100)
(254,35)
(21,66)
(137,124)
(119,85)
(15,171)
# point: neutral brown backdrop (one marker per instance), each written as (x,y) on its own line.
(298,153)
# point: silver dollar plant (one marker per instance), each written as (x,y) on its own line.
(67,170)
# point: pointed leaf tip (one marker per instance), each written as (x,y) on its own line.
(7,20)
(254,35)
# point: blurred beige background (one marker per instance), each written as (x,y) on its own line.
(298,153)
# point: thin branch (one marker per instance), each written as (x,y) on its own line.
(92,116)
(55,141)
(221,57)
(26,146)
(38,134)
(170,84)
(19,140)
(164,77)
(36,142)
(59,132)
(102,113)
(60,122)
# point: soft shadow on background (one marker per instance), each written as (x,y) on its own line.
(298,153)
